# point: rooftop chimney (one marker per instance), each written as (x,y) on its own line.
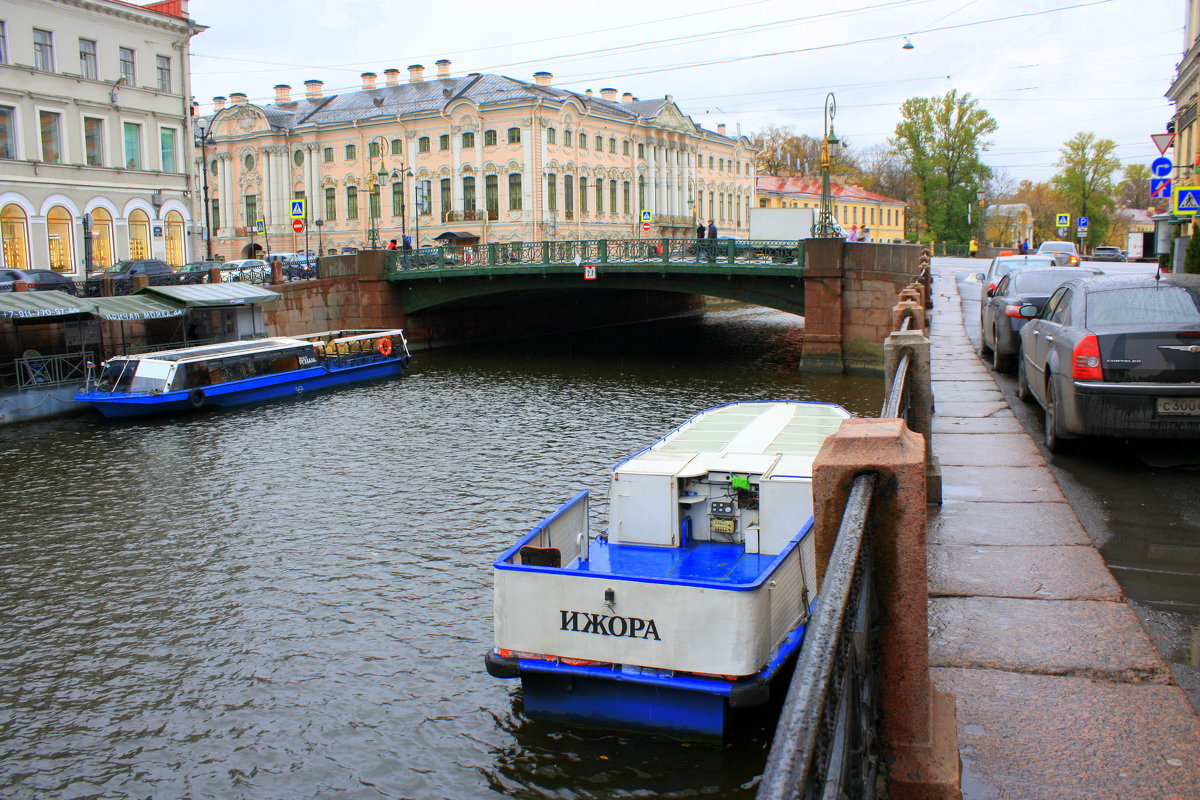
(218,103)
(283,93)
(627,98)
(588,92)
(542,78)
(669,98)
(312,89)
(443,66)
(368,79)
(416,73)
(392,76)
(609,94)
(195,107)
(721,128)
(237,98)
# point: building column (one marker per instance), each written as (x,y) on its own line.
(651,181)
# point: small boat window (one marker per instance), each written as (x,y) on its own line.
(151,376)
(117,376)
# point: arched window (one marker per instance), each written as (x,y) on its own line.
(14,231)
(102,239)
(139,234)
(61,239)
(174,229)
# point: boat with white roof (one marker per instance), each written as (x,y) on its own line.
(696,595)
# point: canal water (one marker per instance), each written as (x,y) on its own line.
(294,600)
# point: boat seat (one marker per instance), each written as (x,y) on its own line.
(541,556)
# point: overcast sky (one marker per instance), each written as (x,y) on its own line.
(1045,69)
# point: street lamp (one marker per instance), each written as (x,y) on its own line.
(204,136)
(375,182)
(320,223)
(826,226)
(398,176)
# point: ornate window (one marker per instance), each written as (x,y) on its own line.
(489,138)
(423,144)
(514,191)
(514,135)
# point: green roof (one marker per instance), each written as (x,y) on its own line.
(29,305)
(201,295)
(132,307)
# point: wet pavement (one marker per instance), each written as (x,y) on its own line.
(1060,690)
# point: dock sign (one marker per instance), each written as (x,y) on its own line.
(1062,220)
(647,216)
(1160,187)
(298,211)
(1187,200)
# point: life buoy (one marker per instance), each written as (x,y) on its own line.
(384,346)
(196,397)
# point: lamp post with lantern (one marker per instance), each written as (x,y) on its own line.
(375,183)
(204,137)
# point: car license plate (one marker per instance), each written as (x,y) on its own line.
(1178,406)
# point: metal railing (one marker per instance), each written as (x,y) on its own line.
(601,251)
(826,741)
(44,372)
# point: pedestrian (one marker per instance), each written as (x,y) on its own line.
(973,248)
(1024,246)
(865,234)
(853,237)
(712,244)
(408,243)
(701,231)
(392,245)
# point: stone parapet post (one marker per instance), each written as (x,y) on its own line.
(908,308)
(214,275)
(824,274)
(918,727)
(920,396)
(276,272)
(138,282)
(20,286)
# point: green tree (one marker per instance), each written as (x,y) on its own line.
(1191,256)
(784,153)
(1085,181)
(1134,189)
(942,140)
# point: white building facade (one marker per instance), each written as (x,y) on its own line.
(95,130)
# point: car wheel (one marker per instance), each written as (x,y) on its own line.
(1054,441)
(1023,392)
(999,361)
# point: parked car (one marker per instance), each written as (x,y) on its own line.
(248,270)
(197,271)
(132,267)
(1000,317)
(39,280)
(1065,254)
(1115,355)
(1108,253)
(1001,266)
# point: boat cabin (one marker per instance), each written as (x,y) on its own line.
(198,367)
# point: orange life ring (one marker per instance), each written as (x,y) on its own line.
(384,346)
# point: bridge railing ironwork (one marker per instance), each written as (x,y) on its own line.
(600,252)
(826,742)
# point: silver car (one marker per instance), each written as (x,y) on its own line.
(1065,254)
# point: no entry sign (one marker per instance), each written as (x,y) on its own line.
(645,226)
(298,225)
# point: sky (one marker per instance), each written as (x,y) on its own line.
(1045,69)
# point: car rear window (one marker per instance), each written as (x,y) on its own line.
(1041,282)
(1151,305)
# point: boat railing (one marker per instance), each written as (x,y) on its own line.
(826,742)
(346,348)
(561,537)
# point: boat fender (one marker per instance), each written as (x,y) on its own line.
(384,346)
(196,397)
(500,667)
(751,693)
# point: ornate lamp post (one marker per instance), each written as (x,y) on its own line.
(204,136)
(375,182)
(826,227)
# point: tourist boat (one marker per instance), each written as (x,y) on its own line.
(236,373)
(693,599)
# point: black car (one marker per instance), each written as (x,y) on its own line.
(1000,318)
(1117,356)
(139,266)
(1107,253)
(39,280)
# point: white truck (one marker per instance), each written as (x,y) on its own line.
(781,224)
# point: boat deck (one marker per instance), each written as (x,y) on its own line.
(698,562)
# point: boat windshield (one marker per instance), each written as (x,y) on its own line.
(132,375)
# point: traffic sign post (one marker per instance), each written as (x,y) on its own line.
(1187,200)
(1162,141)
(298,210)
(298,225)
(1062,220)
(589,272)
(645,226)
(1160,187)
(1082,222)
(1161,167)
(647,216)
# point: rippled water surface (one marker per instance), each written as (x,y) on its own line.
(294,600)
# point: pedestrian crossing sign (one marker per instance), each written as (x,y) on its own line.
(1187,199)
(298,209)
(260,227)
(647,216)
(1063,220)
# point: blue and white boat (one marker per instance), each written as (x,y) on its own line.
(237,373)
(694,598)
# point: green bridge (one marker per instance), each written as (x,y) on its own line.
(765,273)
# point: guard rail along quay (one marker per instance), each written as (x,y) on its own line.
(861,705)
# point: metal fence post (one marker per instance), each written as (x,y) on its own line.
(603,251)
(666,250)
(492,254)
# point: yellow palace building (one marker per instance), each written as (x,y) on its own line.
(853,206)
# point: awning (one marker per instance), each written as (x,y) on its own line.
(135,307)
(212,295)
(455,235)
(30,305)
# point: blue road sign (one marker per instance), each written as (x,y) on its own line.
(1082,222)
(1160,187)
(1161,167)
(297,209)
(1187,200)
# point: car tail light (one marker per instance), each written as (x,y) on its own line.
(1085,360)
(1074,261)
(1012,311)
